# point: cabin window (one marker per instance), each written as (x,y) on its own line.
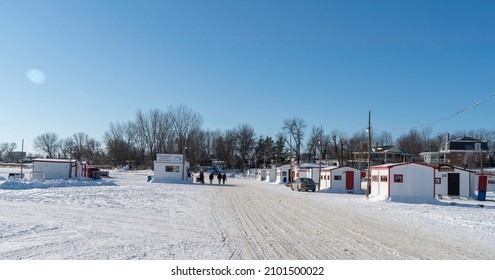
(172,168)
(398,178)
(459,156)
(374,178)
(284,173)
(438,181)
(337,177)
(476,157)
(383,178)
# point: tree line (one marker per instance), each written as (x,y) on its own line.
(178,130)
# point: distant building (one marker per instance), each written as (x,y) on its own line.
(170,168)
(380,155)
(282,174)
(53,169)
(464,152)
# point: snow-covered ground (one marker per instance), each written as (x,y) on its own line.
(125,217)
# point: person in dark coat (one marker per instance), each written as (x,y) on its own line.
(201,177)
(224,178)
(219,177)
(211,178)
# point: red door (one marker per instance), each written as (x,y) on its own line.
(482,183)
(349,180)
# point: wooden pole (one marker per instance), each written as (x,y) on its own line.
(368,186)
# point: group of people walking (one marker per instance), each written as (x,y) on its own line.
(221,177)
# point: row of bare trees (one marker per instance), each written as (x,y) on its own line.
(179,130)
(79,146)
(156,131)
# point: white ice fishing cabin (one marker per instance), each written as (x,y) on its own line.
(171,168)
(282,174)
(310,170)
(403,179)
(452,181)
(52,169)
(272,175)
(341,179)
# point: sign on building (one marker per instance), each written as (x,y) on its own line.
(176,158)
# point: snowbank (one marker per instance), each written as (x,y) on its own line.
(17,184)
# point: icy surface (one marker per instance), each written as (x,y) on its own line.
(125,217)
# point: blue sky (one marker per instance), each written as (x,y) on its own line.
(255,62)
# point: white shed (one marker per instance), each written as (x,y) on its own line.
(52,169)
(171,167)
(272,175)
(282,174)
(341,179)
(403,179)
(262,175)
(452,181)
(312,170)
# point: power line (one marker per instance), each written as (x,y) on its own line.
(451,115)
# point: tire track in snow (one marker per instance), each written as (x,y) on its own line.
(272,223)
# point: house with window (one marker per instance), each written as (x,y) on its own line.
(465,152)
(380,155)
(403,179)
(340,179)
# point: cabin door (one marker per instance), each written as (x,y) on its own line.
(349,180)
(454,184)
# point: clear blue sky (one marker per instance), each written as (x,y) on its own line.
(255,62)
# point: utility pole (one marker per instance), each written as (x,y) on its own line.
(22,159)
(321,146)
(291,160)
(184,162)
(368,186)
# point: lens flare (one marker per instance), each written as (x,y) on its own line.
(36,76)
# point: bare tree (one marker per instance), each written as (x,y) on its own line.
(65,147)
(184,124)
(148,125)
(46,142)
(383,138)
(80,141)
(411,142)
(122,144)
(295,128)
(314,143)
(219,146)
(6,151)
(3,149)
(84,147)
(231,147)
(245,136)
(339,142)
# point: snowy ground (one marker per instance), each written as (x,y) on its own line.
(125,217)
